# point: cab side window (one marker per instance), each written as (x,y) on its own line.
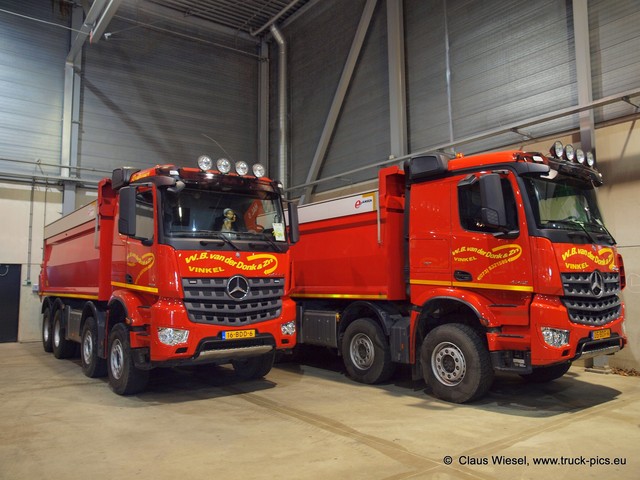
(470,205)
(144,214)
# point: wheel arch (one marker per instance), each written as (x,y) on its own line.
(445,309)
(117,312)
(91,309)
(382,313)
(58,305)
(47,302)
(123,308)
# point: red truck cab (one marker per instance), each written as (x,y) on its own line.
(461,267)
(170,266)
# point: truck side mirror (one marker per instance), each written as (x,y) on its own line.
(127,220)
(294,227)
(493,210)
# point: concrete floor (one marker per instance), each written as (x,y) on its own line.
(306,422)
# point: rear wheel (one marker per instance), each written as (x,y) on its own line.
(92,365)
(547,374)
(124,377)
(456,364)
(46,331)
(62,348)
(366,352)
(254,367)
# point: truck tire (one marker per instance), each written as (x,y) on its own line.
(62,348)
(254,367)
(547,374)
(366,353)
(92,365)
(456,364)
(46,331)
(124,377)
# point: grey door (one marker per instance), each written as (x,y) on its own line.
(9,302)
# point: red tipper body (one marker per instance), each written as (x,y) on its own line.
(537,279)
(187,290)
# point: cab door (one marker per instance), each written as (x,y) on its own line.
(488,254)
(140,268)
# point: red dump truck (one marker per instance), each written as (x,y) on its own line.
(461,267)
(170,266)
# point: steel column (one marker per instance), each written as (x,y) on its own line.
(283,108)
(263,105)
(397,86)
(71,119)
(583,70)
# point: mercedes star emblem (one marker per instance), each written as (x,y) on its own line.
(238,287)
(596,283)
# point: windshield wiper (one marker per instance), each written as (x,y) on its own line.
(265,238)
(607,235)
(579,224)
(222,237)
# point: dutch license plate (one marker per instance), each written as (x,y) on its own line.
(237,334)
(600,334)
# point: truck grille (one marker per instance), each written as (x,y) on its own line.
(208,300)
(592,297)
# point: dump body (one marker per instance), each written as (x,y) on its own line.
(357,252)
(150,273)
(505,253)
(73,262)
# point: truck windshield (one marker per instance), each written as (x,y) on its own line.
(201,213)
(564,203)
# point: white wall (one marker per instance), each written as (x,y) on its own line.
(618,159)
(618,156)
(15,202)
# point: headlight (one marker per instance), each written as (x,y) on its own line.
(172,336)
(223,165)
(555,337)
(205,163)
(242,168)
(288,328)
(569,152)
(557,149)
(591,160)
(258,170)
(580,156)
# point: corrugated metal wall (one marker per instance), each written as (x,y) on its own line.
(318,47)
(508,62)
(614,29)
(148,93)
(31,84)
(150,97)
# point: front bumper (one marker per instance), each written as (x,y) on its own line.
(209,351)
(519,348)
(205,343)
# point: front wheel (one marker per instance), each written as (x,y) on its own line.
(254,367)
(456,364)
(92,365)
(124,377)
(547,374)
(366,352)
